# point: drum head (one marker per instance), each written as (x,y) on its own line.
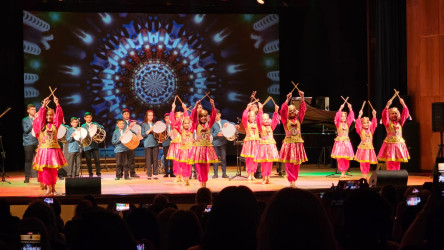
(137,128)
(159,127)
(127,137)
(92,130)
(229,130)
(61,132)
(80,134)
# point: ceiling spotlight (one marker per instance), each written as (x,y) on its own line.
(260,1)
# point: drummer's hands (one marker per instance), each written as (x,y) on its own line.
(132,124)
(220,134)
(236,126)
(56,100)
(73,134)
(120,138)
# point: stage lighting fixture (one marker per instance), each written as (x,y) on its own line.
(260,1)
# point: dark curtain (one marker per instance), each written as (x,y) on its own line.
(390,54)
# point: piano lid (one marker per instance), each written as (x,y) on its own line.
(314,116)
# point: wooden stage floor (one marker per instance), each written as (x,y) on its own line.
(310,177)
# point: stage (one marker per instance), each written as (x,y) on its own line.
(142,190)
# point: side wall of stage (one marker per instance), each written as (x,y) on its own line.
(425,70)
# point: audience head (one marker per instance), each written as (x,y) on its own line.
(143,224)
(184,230)
(204,196)
(234,213)
(298,216)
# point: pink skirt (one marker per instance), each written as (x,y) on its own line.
(267,153)
(394,152)
(366,155)
(202,155)
(49,158)
(183,155)
(249,149)
(293,153)
(342,150)
(173,151)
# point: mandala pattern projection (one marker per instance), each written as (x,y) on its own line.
(104,62)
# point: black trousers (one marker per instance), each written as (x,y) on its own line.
(132,165)
(152,157)
(29,157)
(168,163)
(95,153)
(122,164)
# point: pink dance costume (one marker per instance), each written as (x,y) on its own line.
(267,152)
(292,151)
(176,140)
(365,154)
(184,151)
(342,149)
(49,157)
(251,143)
(202,153)
(393,150)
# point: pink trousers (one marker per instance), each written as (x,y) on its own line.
(176,167)
(292,171)
(393,165)
(202,171)
(185,169)
(251,165)
(365,167)
(49,176)
(343,164)
(266,168)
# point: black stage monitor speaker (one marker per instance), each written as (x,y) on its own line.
(91,185)
(438,117)
(389,177)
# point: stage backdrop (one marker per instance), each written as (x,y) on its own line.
(105,62)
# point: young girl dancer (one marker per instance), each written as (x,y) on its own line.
(182,156)
(342,149)
(49,157)
(202,153)
(365,154)
(292,150)
(267,152)
(251,141)
(176,138)
(393,150)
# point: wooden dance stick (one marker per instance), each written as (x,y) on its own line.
(363,105)
(175,97)
(179,99)
(397,94)
(369,103)
(295,87)
(252,96)
(272,100)
(207,94)
(52,91)
(266,101)
(345,100)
